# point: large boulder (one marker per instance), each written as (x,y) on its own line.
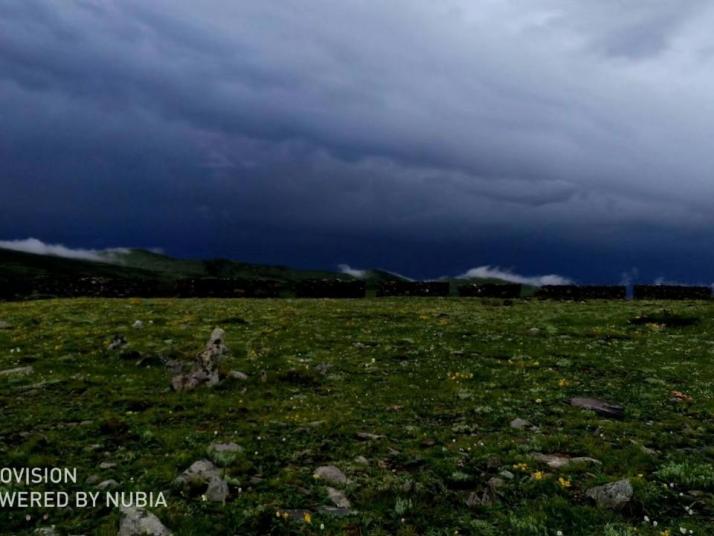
(614,495)
(205,367)
(203,478)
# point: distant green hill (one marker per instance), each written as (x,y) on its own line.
(143,264)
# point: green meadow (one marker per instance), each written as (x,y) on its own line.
(413,400)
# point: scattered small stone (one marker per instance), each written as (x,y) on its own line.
(5,325)
(19,371)
(217,490)
(117,343)
(92,479)
(139,522)
(368,436)
(520,424)
(45,531)
(558,462)
(205,478)
(614,495)
(322,368)
(604,409)
(489,496)
(237,375)
(107,465)
(108,484)
(507,475)
(361,460)
(338,498)
(138,324)
(331,475)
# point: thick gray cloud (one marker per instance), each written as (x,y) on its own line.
(170,121)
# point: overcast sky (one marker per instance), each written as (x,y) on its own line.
(548,136)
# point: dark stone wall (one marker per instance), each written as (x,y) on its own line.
(585,292)
(413,288)
(226,288)
(671,292)
(330,288)
(66,287)
(506,291)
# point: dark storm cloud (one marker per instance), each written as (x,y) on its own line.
(208,127)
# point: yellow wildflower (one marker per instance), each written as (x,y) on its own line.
(538,475)
(564,482)
(307,517)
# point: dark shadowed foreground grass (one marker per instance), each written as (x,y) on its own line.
(436,381)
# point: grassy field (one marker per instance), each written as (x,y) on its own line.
(424,390)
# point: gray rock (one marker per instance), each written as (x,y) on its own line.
(46,531)
(117,343)
(217,490)
(139,522)
(108,484)
(19,371)
(558,462)
(92,479)
(107,465)
(5,325)
(361,460)
(507,474)
(614,495)
(138,324)
(322,368)
(367,436)
(331,475)
(237,375)
(203,478)
(205,367)
(338,498)
(600,407)
(520,424)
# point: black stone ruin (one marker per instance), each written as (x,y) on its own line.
(413,288)
(330,288)
(671,292)
(505,291)
(585,292)
(226,288)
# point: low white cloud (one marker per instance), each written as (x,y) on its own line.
(354,272)
(495,272)
(38,247)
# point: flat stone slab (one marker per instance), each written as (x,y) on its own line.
(600,407)
(557,462)
(614,495)
(331,475)
(19,371)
